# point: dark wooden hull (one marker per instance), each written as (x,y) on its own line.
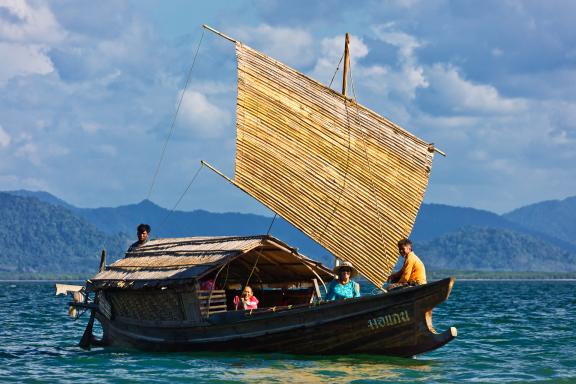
(398,323)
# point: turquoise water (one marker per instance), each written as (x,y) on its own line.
(508,331)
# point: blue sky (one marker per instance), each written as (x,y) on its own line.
(88,90)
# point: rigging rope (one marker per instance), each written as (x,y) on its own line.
(335,208)
(173,124)
(372,185)
(335,72)
(272,223)
(341,194)
(181,196)
(259,251)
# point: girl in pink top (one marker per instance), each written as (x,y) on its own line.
(247,301)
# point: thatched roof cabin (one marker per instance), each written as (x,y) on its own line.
(175,261)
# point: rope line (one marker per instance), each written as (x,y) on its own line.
(336,71)
(345,182)
(181,197)
(253,267)
(259,251)
(173,124)
(372,185)
(272,223)
(341,194)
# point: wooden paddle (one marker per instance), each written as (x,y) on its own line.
(86,339)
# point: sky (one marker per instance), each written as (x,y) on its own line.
(89,92)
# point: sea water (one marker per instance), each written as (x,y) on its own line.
(508,331)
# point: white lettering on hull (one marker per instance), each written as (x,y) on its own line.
(389,320)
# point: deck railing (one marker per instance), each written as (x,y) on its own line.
(212,302)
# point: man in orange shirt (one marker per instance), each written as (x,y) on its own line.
(413,271)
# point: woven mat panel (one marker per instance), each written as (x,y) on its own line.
(160,306)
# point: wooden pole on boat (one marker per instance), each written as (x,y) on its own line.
(210,167)
(344,86)
(432,148)
(207,165)
(219,33)
(317,291)
(346,59)
(102,267)
(86,339)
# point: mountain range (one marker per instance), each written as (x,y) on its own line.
(38,237)
(42,234)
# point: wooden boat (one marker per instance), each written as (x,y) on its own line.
(347,177)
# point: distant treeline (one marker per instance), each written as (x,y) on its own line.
(431,275)
(497,275)
(39,238)
(44,237)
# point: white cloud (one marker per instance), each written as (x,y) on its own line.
(56,150)
(11,181)
(90,127)
(562,123)
(4,138)
(130,45)
(40,124)
(29,151)
(408,3)
(293,46)
(22,137)
(493,95)
(465,97)
(22,22)
(403,41)
(447,129)
(24,60)
(410,77)
(209,87)
(38,154)
(502,166)
(107,150)
(202,117)
(26,34)
(401,84)
(497,52)
(331,51)
(561,137)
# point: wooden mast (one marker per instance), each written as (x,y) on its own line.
(346,59)
(337,261)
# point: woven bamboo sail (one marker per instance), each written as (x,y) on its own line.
(350,179)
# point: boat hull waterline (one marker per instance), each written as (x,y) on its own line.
(398,323)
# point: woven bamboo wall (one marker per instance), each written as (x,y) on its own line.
(153,305)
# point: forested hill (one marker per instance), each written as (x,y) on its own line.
(198,223)
(489,249)
(437,220)
(555,217)
(122,221)
(37,237)
(445,237)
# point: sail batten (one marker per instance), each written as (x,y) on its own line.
(347,177)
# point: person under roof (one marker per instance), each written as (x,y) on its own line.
(343,287)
